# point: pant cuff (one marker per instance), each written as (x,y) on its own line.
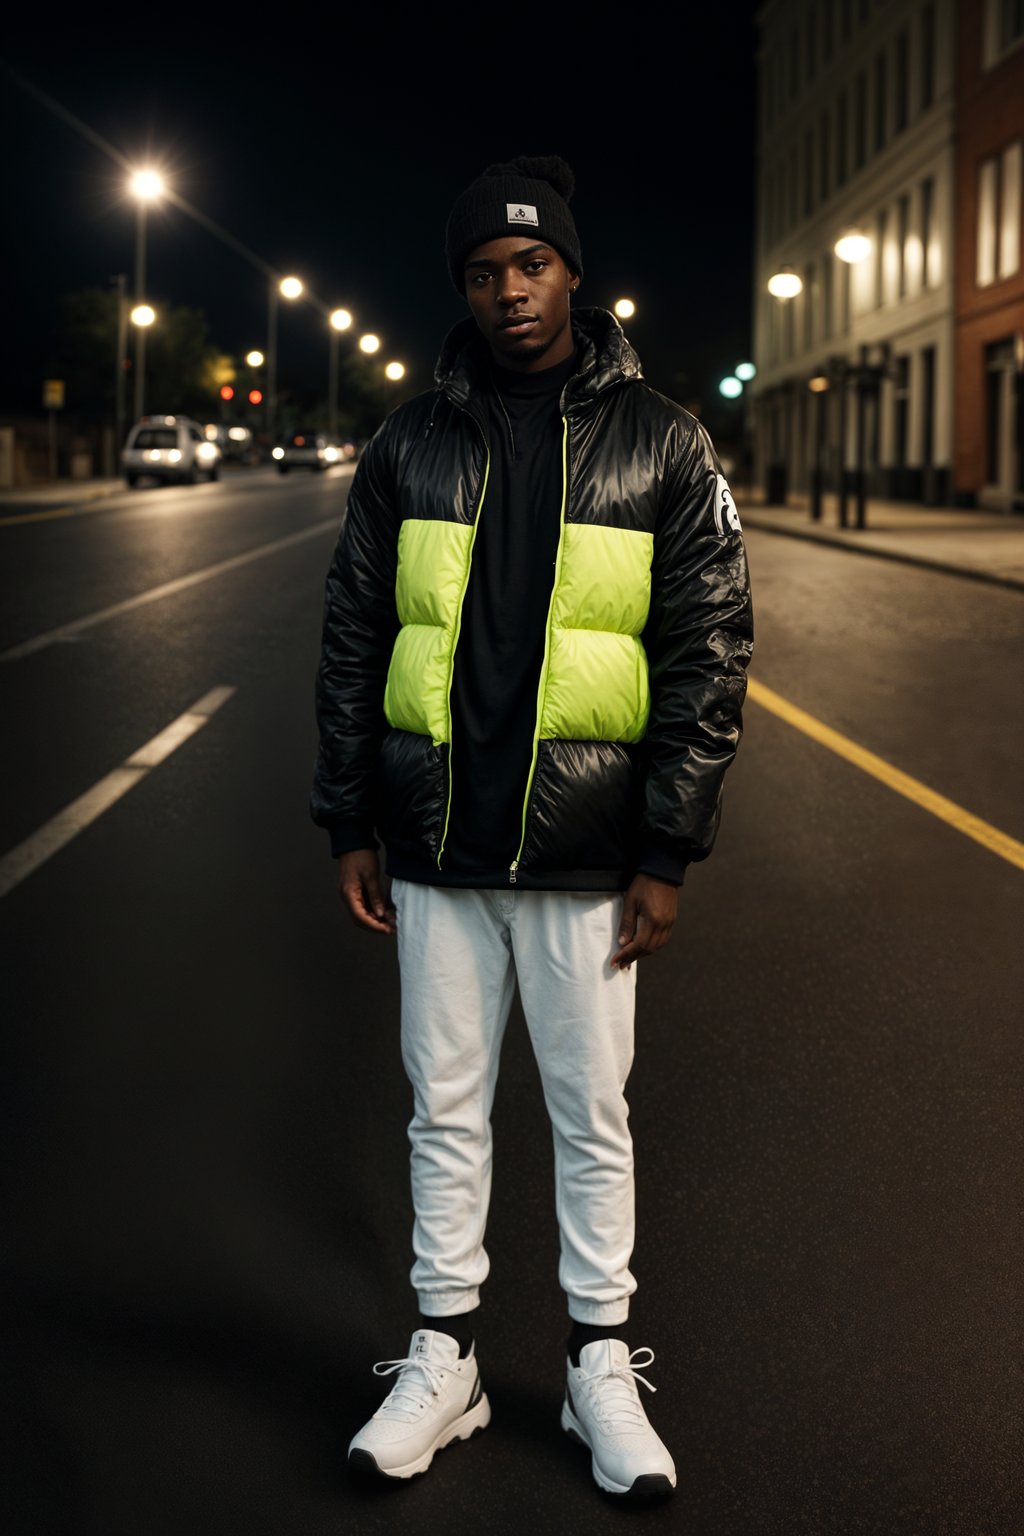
(582,1311)
(449,1303)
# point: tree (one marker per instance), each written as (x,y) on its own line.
(180,359)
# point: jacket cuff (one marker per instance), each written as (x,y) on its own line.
(347,836)
(657,861)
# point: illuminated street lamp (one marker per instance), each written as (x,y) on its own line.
(745,372)
(143,316)
(369,343)
(255,358)
(625,309)
(394,371)
(730,387)
(852,246)
(340,320)
(785,283)
(289,288)
(146,185)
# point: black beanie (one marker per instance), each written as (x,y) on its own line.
(526,196)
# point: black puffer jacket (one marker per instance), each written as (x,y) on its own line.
(645,504)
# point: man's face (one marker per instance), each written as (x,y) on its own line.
(518,290)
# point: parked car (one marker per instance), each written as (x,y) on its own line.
(169,448)
(306,449)
(234,442)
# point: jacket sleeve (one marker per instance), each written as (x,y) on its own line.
(698,638)
(360,622)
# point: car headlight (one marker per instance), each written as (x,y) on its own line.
(278,453)
(207,452)
(154,455)
(331,455)
(175,455)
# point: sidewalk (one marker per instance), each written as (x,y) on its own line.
(983,545)
(60,493)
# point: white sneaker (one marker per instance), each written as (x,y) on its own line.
(603,1411)
(436,1399)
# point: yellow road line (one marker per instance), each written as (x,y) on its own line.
(954,815)
(41,517)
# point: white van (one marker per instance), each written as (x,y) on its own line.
(169,448)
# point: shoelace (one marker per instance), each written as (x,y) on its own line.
(429,1369)
(619,1401)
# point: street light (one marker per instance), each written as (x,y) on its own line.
(369,343)
(731,387)
(288,288)
(785,283)
(395,371)
(745,372)
(254,358)
(852,246)
(146,185)
(143,316)
(625,309)
(341,320)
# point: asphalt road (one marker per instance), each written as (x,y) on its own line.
(207,1243)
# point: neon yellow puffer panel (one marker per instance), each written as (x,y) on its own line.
(432,561)
(597,687)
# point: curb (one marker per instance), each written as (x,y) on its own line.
(1014,583)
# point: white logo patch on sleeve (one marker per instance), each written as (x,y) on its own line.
(726,516)
(521,213)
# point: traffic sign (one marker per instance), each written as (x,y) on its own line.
(53,394)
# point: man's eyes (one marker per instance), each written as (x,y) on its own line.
(532,268)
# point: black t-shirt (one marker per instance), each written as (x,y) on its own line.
(504,624)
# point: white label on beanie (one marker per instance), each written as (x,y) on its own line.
(521,213)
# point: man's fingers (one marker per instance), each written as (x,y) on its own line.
(366,905)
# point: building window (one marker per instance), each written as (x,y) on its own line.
(927,57)
(808,173)
(1011,23)
(860,120)
(826,295)
(809,295)
(901,104)
(823,156)
(880,238)
(900,410)
(927,221)
(999,199)
(841,108)
(881,100)
(927,406)
(903,236)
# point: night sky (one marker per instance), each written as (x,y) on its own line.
(337,153)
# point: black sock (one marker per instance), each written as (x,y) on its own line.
(583,1334)
(461,1328)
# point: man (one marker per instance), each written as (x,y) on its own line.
(536,631)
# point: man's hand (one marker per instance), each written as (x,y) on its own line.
(648,912)
(364,892)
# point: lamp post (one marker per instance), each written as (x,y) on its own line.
(288,288)
(121,281)
(142,317)
(145,186)
(340,320)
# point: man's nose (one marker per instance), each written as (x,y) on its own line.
(511,286)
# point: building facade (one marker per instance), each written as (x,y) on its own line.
(856,120)
(989,390)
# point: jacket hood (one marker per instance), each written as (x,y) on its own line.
(606,357)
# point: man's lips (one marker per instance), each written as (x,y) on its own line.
(517,324)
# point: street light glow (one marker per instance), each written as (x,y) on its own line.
(291,287)
(254,358)
(745,371)
(143,314)
(369,343)
(147,185)
(625,309)
(395,371)
(852,246)
(730,387)
(785,283)
(341,319)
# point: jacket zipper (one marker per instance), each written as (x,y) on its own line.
(458,629)
(513,869)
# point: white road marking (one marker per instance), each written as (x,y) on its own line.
(167,589)
(23,860)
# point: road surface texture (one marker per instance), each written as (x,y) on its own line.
(207,1243)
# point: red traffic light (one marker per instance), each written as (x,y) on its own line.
(255,396)
(226,392)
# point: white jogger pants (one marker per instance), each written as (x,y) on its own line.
(460,955)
